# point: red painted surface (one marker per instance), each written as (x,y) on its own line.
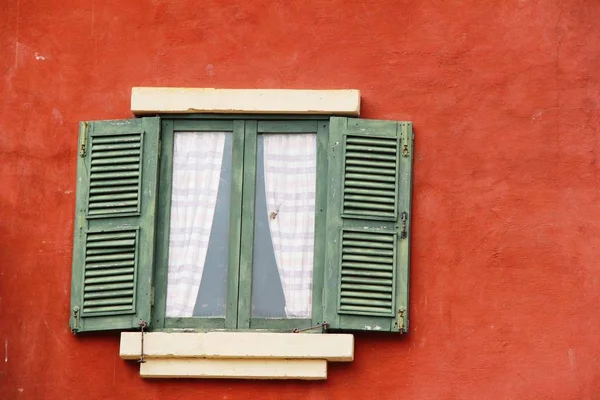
(504,96)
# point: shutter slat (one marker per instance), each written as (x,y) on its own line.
(374,237)
(369,259)
(116,139)
(118,196)
(365,302)
(362,310)
(112,189)
(114,154)
(107,293)
(116,182)
(109,302)
(116,146)
(370,163)
(117,167)
(371,177)
(109,279)
(370,170)
(110,309)
(116,175)
(120,160)
(109,287)
(355,275)
(374,245)
(368,184)
(110,272)
(110,264)
(366,288)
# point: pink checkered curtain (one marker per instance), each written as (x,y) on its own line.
(197,159)
(290,182)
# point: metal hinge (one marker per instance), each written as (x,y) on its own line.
(75,327)
(405,140)
(83,140)
(404,219)
(401,312)
(159,148)
(152,296)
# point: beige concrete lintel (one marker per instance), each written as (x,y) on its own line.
(246,345)
(234,368)
(159,100)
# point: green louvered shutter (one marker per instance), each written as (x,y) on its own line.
(113,250)
(368,225)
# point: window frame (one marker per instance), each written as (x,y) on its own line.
(245,129)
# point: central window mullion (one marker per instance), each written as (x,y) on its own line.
(235,224)
(247,230)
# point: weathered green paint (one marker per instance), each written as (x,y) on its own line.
(163,217)
(293,126)
(247,240)
(320,223)
(372,306)
(235,224)
(113,317)
(328,221)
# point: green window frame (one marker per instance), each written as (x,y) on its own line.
(362,223)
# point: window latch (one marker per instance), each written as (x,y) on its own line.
(324,327)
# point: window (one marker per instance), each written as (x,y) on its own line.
(230,222)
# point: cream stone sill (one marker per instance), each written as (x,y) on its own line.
(161,100)
(244,355)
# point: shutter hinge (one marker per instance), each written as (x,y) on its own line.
(404,218)
(400,324)
(75,325)
(152,296)
(159,148)
(405,141)
(83,140)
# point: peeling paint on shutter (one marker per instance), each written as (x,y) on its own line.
(367,250)
(113,249)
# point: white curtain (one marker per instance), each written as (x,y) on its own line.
(290,183)
(197,159)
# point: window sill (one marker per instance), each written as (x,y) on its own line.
(242,355)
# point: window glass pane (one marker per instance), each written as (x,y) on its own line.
(199,226)
(284,226)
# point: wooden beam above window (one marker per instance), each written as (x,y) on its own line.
(166,100)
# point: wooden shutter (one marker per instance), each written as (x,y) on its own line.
(113,250)
(368,225)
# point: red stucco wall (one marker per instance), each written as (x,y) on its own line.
(504,96)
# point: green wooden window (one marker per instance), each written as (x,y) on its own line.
(361,225)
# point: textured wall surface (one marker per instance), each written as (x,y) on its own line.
(504,97)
